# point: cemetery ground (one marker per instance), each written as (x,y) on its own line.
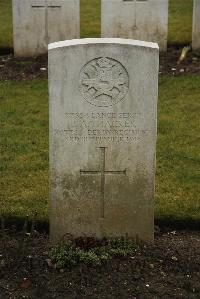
(167,269)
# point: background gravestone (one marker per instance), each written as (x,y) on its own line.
(138,19)
(103,112)
(196,25)
(39,22)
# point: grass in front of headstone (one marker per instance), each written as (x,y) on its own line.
(24,148)
(5,24)
(180,22)
(178,160)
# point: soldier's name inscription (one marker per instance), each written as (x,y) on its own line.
(103,127)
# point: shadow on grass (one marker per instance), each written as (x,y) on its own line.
(178,46)
(171,223)
(6,51)
(19,222)
(42,226)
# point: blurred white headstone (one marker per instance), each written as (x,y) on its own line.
(36,23)
(196,26)
(138,19)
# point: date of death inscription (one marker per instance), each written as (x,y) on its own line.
(103,127)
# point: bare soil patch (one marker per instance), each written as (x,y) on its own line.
(37,67)
(168,269)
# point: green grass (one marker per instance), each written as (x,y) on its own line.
(178,159)
(6,24)
(24,128)
(24,148)
(180,21)
(90,18)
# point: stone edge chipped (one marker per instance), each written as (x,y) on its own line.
(86,41)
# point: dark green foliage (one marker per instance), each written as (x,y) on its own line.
(68,254)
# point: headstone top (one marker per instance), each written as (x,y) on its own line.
(84,41)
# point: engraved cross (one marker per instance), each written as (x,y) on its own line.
(45,6)
(103,172)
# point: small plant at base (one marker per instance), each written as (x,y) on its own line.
(64,255)
(89,258)
(68,254)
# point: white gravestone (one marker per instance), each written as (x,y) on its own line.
(138,19)
(103,111)
(196,26)
(36,23)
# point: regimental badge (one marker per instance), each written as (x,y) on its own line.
(104,82)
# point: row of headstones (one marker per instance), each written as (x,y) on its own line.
(39,22)
(103,122)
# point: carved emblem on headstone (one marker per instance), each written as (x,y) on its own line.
(103,82)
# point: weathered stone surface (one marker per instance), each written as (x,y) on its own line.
(39,22)
(103,104)
(138,19)
(196,26)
